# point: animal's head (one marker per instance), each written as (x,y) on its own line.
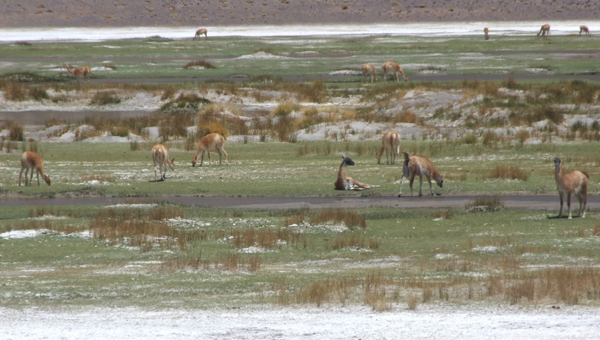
(347,161)
(378,156)
(194,161)
(46,179)
(440,181)
(557,161)
(405,78)
(171,164)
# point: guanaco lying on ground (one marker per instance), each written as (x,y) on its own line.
(33,161)
(344,182)
(421,166)
(391,144)
(160,156)
(210,141)
(572,183)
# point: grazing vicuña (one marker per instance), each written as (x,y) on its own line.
(421,166)
(210,141)
(33,161)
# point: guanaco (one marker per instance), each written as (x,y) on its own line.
(210,141)
(584,29)
(160,156)
(545,29)
(344,182)
(572,183)
(421,166)
(391,144)
(486,32)
(200,32)
(80,72)
(33,161)
(369,70)
(394,68)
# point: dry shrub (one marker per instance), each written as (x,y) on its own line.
(413,302)
(201,63)
(175,125)
(490,138)
(522,136)
(314,93)
(345,241)
(470,139)
(508,172)
(297,218)
(349,218)
(165,212)
(317,293)
(221,119)
(38,93)
(105,98)
(407,117)
(168,93)
(15,130)
(378,301)
(15,91)
(120,131)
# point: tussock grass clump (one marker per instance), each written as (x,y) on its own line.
(314,93)
(201,63)
(445,214)
(266,238)
(508,172)
(101,98)
(135,228)
(175,125)
(184,103)
(350,219)
(351,240)
(485,203)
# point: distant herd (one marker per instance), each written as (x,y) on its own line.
(571,183)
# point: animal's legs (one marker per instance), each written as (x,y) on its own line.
(569,204)
(560,194)
(20,173)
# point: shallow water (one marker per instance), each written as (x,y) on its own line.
(408,29)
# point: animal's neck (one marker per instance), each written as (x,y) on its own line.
(436,175)
(342,172)
(559,172)
(70,70)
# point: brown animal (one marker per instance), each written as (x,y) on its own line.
(585,29)
(391,144)
(572,183)
(160,156)
(200,32)
(421,166)
(390,66)
(210,141)
(545,29)
(80,72)
(486,31)
(33,161)
(369,70)
(344,182)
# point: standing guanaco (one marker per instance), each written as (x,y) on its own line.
(391,144)
(394,68)
(210,141)
(33,161)
(160,156)
(80,72)
(571,183)
(421,166)
(369,70)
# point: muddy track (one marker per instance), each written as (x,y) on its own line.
(345,78)
(529,202)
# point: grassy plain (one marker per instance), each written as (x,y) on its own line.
(154,57)
(222,257)
(202,258)
(286,169)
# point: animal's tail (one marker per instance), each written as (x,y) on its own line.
(406,158)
